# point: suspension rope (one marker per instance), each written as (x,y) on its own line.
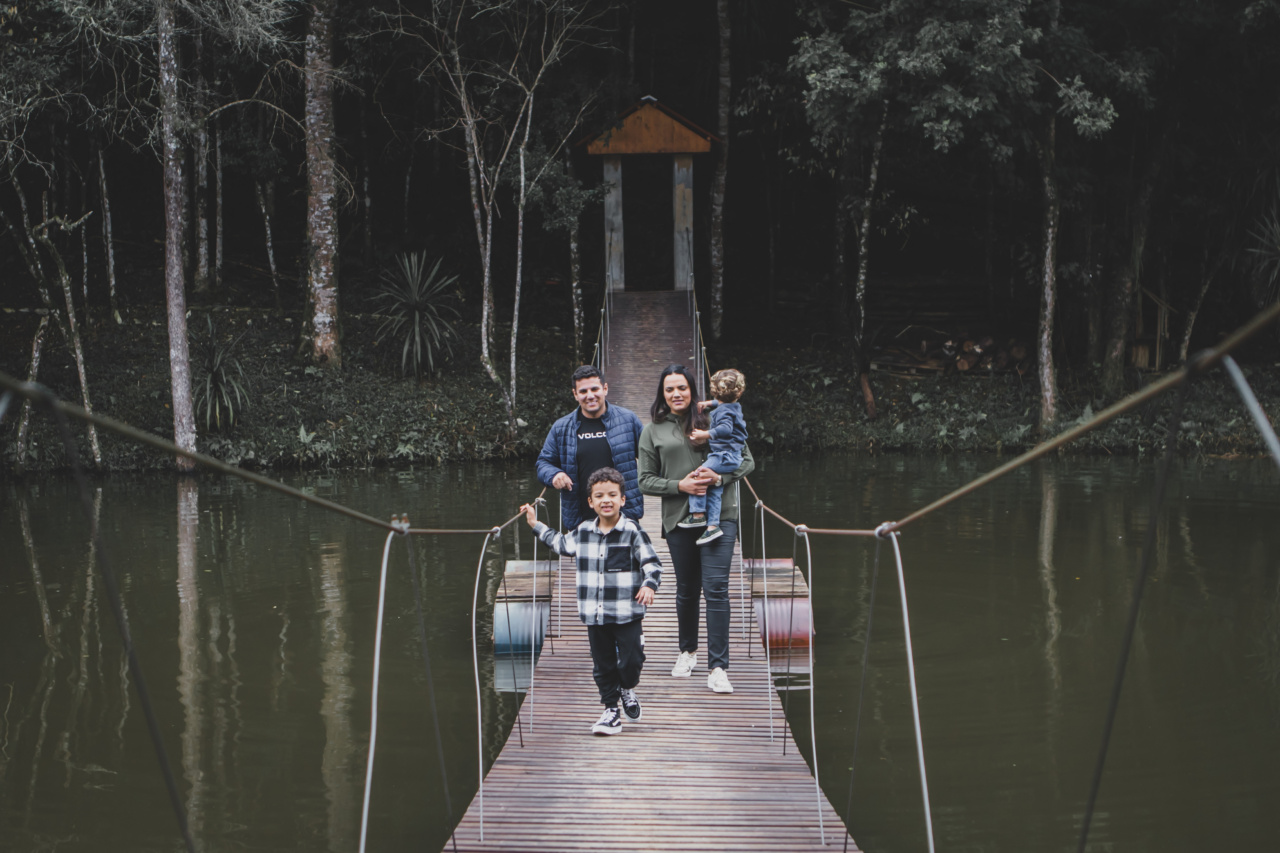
(46,400)
(813,680)
(768,639)
(1251,403)
(431,687)
(911,675)
(1135,601)
(511,639)
(475,661)
(791,630)
(862,689)
(377,668)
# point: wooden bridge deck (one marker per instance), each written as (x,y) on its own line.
(701,771)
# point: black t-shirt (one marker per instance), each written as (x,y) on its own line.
(593,454)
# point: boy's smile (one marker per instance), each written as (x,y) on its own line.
(606,499)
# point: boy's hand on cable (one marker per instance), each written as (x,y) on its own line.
(645,596)
(530,514)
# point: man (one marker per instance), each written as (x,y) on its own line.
(595,435)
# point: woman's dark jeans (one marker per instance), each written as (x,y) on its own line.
(703,570)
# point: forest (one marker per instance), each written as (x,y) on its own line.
(373,229)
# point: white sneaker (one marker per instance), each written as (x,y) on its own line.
(718,681)
(610,722)
(685,664)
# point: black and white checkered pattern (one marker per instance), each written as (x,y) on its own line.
(611,568)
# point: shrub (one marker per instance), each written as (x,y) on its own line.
(219,390)
(419,311)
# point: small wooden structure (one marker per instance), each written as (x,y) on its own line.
(650,128)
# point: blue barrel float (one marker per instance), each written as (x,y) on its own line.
(521,621)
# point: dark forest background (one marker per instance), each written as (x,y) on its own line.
(1092,185)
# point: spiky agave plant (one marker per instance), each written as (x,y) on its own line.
(220,397)
(419,311)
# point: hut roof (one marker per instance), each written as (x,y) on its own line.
(648,127)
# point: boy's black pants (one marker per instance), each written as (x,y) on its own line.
(617,654)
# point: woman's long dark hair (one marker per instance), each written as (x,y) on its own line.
(691,417)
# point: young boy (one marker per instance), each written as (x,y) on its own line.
(727,434)
(618,573)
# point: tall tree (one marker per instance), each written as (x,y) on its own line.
(724,103)
(171,115)
(322,331)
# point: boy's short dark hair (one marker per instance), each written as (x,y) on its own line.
(606,475)
(587,371)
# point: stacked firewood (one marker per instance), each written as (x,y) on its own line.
(957,353)
(983,353)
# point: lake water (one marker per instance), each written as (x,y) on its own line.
(254,615)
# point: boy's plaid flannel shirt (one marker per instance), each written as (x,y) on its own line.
(611,568)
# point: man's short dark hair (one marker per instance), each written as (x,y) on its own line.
(587,371)
(606,475)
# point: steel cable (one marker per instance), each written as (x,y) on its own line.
(813,681)
(475,661)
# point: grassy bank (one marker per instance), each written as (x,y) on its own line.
(798,400)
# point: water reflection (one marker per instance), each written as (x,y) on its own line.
(189,648)
(338,760)
(260,664)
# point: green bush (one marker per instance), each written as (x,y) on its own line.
(420,313)
(219,390)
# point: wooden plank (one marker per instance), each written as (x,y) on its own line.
(682,200)
(518,582)
(614,277)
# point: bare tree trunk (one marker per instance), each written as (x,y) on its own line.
(864,264)
(217,204)
(184,421)
(408,196)
(515,303)
(84,255)
(108,241)
(266,204)
(322,218)
(366,193)
(719,182)
(1207,277)
(575,272)
(1125,286)
(200,157)
(1048,282)
(24,425)
(73,331)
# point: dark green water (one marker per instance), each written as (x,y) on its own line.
(255,618)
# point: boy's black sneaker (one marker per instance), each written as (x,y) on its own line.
(631,705)
(610,722)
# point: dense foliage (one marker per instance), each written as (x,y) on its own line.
(1096,179)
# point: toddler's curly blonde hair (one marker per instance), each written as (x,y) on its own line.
(727,385)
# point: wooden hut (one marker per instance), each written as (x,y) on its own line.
(650,128)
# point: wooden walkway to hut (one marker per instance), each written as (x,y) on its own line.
(701,771)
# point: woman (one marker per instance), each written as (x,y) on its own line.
(668,459)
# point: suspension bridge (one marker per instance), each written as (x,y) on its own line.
(701,771)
